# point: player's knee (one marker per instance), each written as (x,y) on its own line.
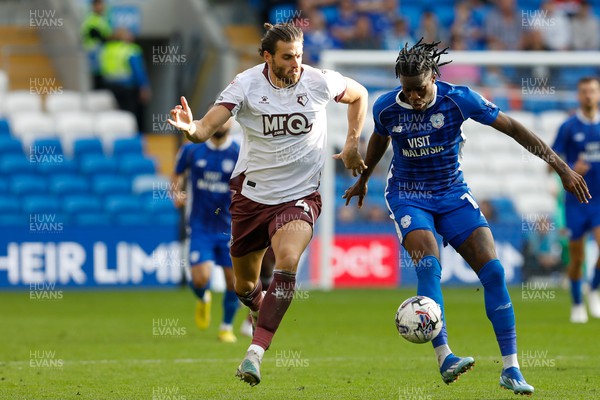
(243,288)
(199,280)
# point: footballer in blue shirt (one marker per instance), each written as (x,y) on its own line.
(426,192)
(209,166)
(578,142)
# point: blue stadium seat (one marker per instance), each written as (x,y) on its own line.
(169,218)
(9,204)
(92,219)
(134,166)
(3,185)
(134,219)
(12,164)
(4,127)
(10,145)
(40,204)
(68,184)
(87,146)
(25,184)
(121,203)
(66,166)
(158,206)
(14,219)
(127,146)
(110,184)
(49,146)
(74,204)
(94,164)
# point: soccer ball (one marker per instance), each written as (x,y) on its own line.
(419,319)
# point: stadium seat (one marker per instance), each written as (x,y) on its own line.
(484,186)
(91,219)
(68,184)
(121,203)
(67,101)
(50,146)
(10,145)
(34,204)
(169,218)
(127,146)
(94,164)
(85,147)
(549,122)
(3,185)
(81,204)
(66,166)
(71,126)
(150,183)
(134,166)
(526,118)
(12,164)
(4,126)
(99,100)
(23,185)
(111,125)
(9,204)
(134,219)
(159,206)
(536,203)
(14,219)
(22,101)
(110,184)
(30,125)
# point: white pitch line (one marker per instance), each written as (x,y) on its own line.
(270,357)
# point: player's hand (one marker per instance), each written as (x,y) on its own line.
(581,167)
(181,116)
(360,189)
(352,160)
(179,198)
(574,183)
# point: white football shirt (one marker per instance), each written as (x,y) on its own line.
(284,131)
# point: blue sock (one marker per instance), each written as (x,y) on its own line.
(429,273)
(576,291)
(498,306)
(230,305)
(199,291)
(596,279)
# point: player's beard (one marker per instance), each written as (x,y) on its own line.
(287,79)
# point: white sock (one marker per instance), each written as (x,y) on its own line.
(257,349)
(510,361)
(441,352)
(226,327)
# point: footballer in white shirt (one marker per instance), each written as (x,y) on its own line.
(281,107)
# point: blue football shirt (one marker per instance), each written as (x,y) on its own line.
(210,170)
(427,143)
(578,137)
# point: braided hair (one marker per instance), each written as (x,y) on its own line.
(420,58)
(286,32)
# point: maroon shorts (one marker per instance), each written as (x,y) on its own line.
(254,224)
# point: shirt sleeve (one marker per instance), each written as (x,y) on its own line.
(232,97)
(181,161)
(560,142)
(336,84)
(475,106)
(379,127)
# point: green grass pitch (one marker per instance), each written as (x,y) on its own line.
(331,345)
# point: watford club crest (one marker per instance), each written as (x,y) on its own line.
(302,99)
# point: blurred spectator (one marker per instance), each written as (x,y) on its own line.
(346,214)
(396,38)
(95,31)
(466,26)
(542,252)
(382,13)
(363,37)
(376,213)
(342,28)
(487,209)
(503,27)
(555,27)
(460,74)
(123,72)
(429,28)
(316,37)
(585,29)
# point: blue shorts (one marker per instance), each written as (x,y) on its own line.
(209,247)
(454,214)
(581,218)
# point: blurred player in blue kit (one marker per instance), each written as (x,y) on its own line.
(209,166)
(578,142)
(426,192)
